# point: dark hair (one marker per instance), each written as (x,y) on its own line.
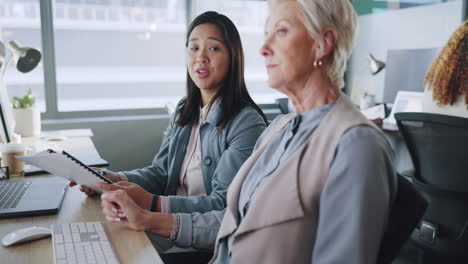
(234,94)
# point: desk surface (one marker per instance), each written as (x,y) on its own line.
(130,246)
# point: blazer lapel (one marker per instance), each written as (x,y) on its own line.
(279,201)
(231,220)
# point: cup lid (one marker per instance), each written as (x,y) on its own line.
(12,147)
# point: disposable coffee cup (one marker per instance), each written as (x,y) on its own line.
(9,153)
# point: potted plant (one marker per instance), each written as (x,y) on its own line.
(27,115)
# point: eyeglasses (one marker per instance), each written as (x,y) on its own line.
(4,173)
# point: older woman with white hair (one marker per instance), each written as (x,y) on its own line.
(320,183)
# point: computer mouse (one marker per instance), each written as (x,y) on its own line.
(26,234)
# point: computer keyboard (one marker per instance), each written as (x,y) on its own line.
(83,242)
(11,193)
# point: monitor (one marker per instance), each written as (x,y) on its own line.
(7,122)
(405,71)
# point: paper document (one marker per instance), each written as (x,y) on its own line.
(374,112)
(66,166)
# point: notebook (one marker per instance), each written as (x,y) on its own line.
(64,165)
(87,155)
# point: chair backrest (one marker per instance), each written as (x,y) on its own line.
(408,208)
(438,145)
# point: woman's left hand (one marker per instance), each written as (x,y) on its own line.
(118,206)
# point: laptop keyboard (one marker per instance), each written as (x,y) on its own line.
(82,242)
(11,193)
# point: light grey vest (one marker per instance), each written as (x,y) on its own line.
(281,225)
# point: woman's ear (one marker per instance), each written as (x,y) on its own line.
(326,47)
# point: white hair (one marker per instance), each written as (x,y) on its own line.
(339,15)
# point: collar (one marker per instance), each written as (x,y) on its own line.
(216,113)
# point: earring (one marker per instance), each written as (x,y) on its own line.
(317,63)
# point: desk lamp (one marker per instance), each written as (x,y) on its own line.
(375,65)
(25,59)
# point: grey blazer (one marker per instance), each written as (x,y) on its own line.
(223,153)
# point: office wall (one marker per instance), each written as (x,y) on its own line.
(412,28)
(127,143)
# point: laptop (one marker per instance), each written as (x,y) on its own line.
(31,197)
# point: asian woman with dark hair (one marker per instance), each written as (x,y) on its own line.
(210,135)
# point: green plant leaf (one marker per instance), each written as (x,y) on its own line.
(26,101)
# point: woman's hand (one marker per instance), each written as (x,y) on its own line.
(118,206)
(139,195)
(114,177)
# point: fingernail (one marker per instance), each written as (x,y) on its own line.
(104,195)
(117,219)
(114,210)
(121,215)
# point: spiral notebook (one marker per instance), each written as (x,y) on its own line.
(64,165)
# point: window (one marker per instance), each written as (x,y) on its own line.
(249,18)
(119,54)
(20,21)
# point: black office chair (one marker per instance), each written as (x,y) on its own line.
(406,212)
(438,146)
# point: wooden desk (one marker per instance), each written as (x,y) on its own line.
(130,246)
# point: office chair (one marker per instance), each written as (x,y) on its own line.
(438,145)
(406,212)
